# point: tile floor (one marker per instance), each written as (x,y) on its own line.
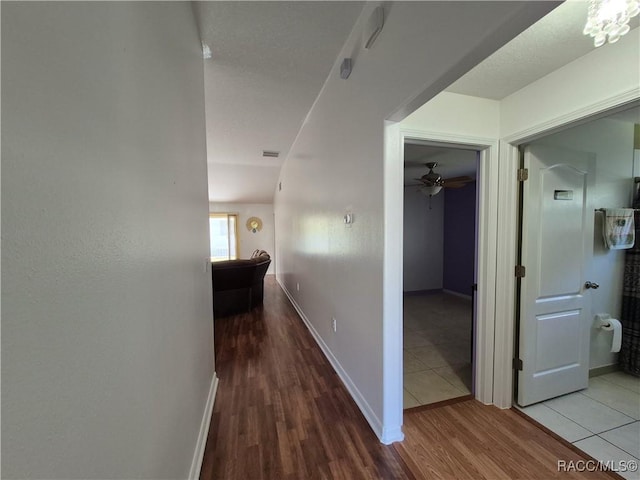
(437,348)
(603,420)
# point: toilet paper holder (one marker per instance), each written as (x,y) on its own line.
(604,322)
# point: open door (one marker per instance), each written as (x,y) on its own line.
(557,243)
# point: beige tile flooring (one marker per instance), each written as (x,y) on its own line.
(603,420)
(437,348)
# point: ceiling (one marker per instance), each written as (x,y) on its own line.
(269,62)
(552,42)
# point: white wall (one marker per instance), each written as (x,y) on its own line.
(587,82)
(249,241)
(107,355)
(612,143)
(423,241)
(336,165)
(452,113)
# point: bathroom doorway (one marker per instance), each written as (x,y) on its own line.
(574,385)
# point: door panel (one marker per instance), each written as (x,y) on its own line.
(555,310)
(561,230)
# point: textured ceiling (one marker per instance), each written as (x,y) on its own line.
(269,62)
(547,45)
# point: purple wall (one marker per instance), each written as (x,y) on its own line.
(459,238)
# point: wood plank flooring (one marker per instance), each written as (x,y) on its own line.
(468,440)
(281,412)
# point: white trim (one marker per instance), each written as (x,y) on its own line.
(506,281)
(487,250)
(392,294)
(581,114)
(507,215)
(201,443)
(448,140)
(366,410)
(486,272)
(456,294)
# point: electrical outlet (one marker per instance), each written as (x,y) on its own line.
(334,324)
(297,286)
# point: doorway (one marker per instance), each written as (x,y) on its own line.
(594,405)
(439,271)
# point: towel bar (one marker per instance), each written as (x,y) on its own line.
(604,210)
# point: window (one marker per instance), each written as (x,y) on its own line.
(223,236)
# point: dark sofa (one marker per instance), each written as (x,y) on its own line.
(238,285)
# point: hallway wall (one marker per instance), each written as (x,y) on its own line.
(107,341)
(336,166)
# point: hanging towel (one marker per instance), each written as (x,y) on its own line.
(618,228)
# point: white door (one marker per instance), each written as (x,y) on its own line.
(557,243)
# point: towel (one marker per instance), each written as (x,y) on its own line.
(618,228)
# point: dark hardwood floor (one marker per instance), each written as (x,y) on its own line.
(281,412)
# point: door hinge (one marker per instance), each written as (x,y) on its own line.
(523,174)
(520,271)
(517,364)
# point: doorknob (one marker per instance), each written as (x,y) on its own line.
(593,285)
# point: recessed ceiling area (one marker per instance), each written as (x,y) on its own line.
(268,63)
(552,42)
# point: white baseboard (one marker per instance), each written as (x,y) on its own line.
(198,455)
(392,435)
(385,437)
(457,294)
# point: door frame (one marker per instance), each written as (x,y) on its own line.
(509,161)
(487,207)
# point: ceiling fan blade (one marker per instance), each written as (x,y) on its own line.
(463,179)
(425,181)
(454,185)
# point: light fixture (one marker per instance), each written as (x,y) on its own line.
(430,190)
(345,68)
(254,224)
(608,20)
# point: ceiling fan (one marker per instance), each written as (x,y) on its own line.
(433,182)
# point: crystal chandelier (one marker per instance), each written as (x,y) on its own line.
(608,20)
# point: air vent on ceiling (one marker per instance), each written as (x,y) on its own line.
(268,153)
